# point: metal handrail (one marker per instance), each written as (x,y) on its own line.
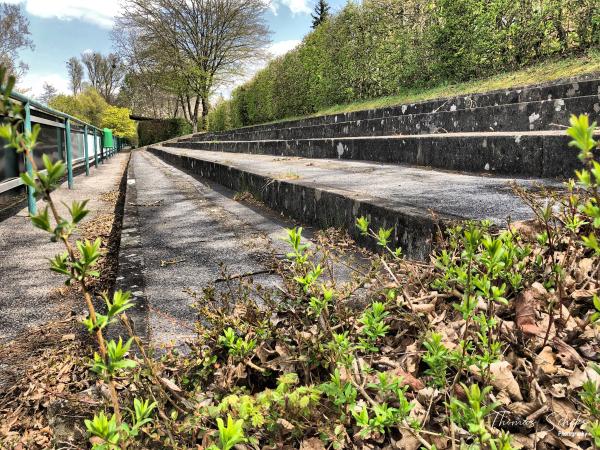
(23,99)
(27,105)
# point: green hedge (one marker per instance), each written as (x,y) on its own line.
(158,130)
(380,47)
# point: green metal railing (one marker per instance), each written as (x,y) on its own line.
(100,154)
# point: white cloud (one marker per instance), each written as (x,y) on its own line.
(101,13)
(32,83)
(297,6)
(281,47)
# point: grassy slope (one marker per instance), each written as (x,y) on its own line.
(540,73)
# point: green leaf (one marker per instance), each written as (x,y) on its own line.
(362,223)
(120,303)
(591,242)
(54,172)
(231,434)
(107,430)
(78,211)
(383,236)
(6,132)
(28,180)
(582,133)
(42,220)
(59,264)
(596,302)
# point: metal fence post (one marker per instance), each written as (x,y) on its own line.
(69,153)
(95,150)
(31,206)
(85,150)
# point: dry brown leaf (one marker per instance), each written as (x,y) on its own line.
(424,307)
(558,390)
(170,385)
(263,353)
(564,417)
(581,293)
(579,377)
(567,354)
(545,361)
(312,444)
(408,379)
(527,228)
(523,409)
(525,305)
(583,269)
(426,394)
(440,441)
(285,424)
(408,442)
(521,441)
(411,358)
(504,380)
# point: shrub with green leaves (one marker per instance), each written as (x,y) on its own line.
(383,48)
(236,346)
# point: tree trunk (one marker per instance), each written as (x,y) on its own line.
(195,115)
(176,108)
(185,111)
(205,107)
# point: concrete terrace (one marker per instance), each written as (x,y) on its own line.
(326,192)
(401,167)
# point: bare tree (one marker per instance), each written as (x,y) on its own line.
(105,73)
(146,86)
(75,70)
(206,41)
(14,36)
(48,94)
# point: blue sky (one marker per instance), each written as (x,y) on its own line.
(64,28)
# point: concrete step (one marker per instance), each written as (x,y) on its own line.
(537,115)
(582,87)
(525,154)
(333,193)
(199,227)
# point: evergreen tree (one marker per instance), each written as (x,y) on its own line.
(321,13)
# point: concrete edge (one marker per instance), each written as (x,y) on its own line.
(414,230)
(520,93)
(525,155)
(524,108)
(131,262)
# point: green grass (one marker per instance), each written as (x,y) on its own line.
(548,70)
